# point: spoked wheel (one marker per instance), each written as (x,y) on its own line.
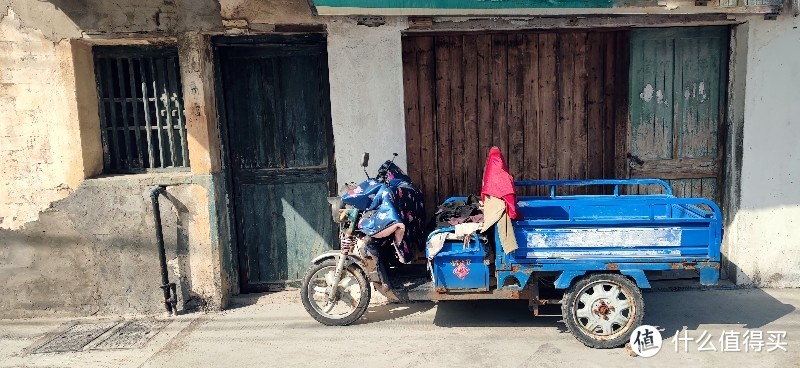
(602,310)
(352,294)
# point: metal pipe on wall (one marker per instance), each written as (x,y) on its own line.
(169,288)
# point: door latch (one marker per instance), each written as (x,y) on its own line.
(634,161)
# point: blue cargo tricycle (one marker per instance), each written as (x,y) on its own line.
(595,251)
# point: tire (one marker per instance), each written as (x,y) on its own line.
(595,326)
(361,300)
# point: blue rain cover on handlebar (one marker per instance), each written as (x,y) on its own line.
(386,205)
(363,197)
(384,215)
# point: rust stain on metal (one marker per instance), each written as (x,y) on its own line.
(497,294)
(547,301)
(683,266)
(612,266)
(515,268)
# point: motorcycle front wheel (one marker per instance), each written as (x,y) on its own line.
(352,293)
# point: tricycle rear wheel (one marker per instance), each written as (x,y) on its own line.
(602,310)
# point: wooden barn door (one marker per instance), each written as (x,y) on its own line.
(677,104)
(549,100)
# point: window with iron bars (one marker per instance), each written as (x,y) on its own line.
(143,125)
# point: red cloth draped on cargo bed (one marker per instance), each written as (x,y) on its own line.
(498,183)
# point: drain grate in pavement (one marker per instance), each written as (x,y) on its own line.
(132,335)
(74,338)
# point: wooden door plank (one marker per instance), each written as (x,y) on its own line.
(548,112)
(485,122)
(531,107)
(305,141)
(595,118)
(456,118)
(274,151)
(678,168)
(515,90)
(443,108)
(472,155)
(579,145)
(651,128)
(411,97)
(709,189)
(613,146)
(499,92)
(620,102)
(428,114)
(697,65)
(566,106)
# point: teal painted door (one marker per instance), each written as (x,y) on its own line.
(678,84)
(279,152)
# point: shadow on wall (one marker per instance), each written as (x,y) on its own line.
(95,252)
(180,265)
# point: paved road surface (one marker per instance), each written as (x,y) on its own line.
(273,330)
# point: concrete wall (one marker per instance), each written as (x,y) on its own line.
(366,78)
(72,243)
(36,77)
(94,251)
(765,231)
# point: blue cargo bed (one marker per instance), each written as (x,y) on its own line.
(576,234)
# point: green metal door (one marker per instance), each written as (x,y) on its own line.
(279,151)
(678,80)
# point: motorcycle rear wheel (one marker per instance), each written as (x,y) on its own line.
(353,293)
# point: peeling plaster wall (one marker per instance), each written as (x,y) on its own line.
(765,231)
(76,246)
(37,112)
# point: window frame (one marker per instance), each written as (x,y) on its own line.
(144,135)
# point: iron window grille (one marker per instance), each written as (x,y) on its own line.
(143,125)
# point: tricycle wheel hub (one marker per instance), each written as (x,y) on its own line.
(604,309)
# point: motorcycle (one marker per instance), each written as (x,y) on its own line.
(380,228)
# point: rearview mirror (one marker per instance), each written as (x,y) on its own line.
(365,159)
